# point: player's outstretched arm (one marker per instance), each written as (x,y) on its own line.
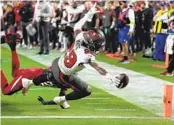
(98,68)
(120,80)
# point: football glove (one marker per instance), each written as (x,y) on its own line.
(40,99)
(120,81)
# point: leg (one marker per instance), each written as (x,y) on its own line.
(40,37)
(70,36)
(25,34)
(125,51)
(15,60)
(81,89)
(45,32)
(54,37)
(107,40)
(123,39)
(39,77)
(64,105)
(14,86)
(149,42)
(47,76)
(170,68)
(4,81)
(171,65)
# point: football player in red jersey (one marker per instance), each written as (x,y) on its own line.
(21,76)
(80,55)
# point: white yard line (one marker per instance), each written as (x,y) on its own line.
(91,98)
(97,103)
(80,117)
(142,89)
(115,109)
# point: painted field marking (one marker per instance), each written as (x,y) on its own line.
(97,103)
(81,117)
(96,98)
(126,110)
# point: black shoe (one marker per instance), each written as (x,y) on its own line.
(46,53)
(39,53)
(124,61)
(41,100)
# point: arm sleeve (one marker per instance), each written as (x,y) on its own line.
(131,16)
(80,23)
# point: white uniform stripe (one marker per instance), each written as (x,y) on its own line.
(15,83)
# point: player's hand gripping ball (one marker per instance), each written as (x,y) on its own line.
(124,81)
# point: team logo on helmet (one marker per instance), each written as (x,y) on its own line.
(96,39)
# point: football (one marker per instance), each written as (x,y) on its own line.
(124,80)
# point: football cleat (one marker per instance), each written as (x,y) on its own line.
(166,74)
(64,105)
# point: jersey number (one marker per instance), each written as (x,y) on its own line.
(70,59)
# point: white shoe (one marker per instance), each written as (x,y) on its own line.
(62,50)
(18,45)
(26,83)
(30,46)
(24,46)
(61,101)
(65,105)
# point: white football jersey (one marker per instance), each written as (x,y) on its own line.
(73,14)
(73,60)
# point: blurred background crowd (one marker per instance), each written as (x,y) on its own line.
(129,26)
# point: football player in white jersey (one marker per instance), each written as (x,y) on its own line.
(79,56)
(71,14)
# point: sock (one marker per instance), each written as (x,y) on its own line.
(49,103)
(15,62)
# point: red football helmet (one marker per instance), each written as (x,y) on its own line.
(96,39)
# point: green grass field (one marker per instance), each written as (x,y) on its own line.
(19,105)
